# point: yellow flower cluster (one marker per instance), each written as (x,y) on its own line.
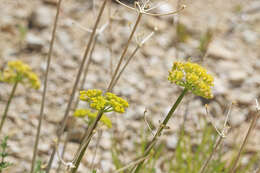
(118,104)
(81,113)
(193,77)
(108,102)
(17,71)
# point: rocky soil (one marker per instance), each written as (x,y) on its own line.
(233,58)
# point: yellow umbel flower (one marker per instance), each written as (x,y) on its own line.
(81,113)
(193,77)
(118,104)
(107,103)
(17,71)
(86,95)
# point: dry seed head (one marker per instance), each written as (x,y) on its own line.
(144,6)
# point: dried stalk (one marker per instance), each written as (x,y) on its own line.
(252,124)
(203,169)
(65,118)
(81,88)
(45,86)
(110,87)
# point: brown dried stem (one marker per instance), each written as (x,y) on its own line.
(203,169)
(45,86)
(110,87)
(252,124)
(65,118)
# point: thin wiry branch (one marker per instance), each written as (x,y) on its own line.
(148,125)
(225,128)
(252,124)
(45,86)
(222,135)
(139,45)
(132,164)
(68,165)
(144,8)
(88,47)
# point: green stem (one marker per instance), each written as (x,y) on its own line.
(85,142)
(160,129)
(8,105)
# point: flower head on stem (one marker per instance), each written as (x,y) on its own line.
(98,101)
(17,71)
(107,102)
(193,77)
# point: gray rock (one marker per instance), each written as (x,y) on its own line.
(217,50)
(237,76)
(42,17)
(106,165)
(250,36)
(171,141)
(34,42)
(237,116)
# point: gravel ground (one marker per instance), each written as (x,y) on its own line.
(233,58)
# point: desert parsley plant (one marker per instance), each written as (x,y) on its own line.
(4,164)
(101,103)
(15,73)
(193,78)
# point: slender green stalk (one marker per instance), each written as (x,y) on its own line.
(203,169)
(8,105)
(63,151)
(160,129)
(86,140)
(65,117)
(252,124)
(35,150)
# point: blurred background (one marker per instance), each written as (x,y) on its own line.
(223,36)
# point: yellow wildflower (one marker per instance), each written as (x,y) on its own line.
(107,103)
(17,71)
(81,113)
(98,103)
(193,77)
(118,104)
